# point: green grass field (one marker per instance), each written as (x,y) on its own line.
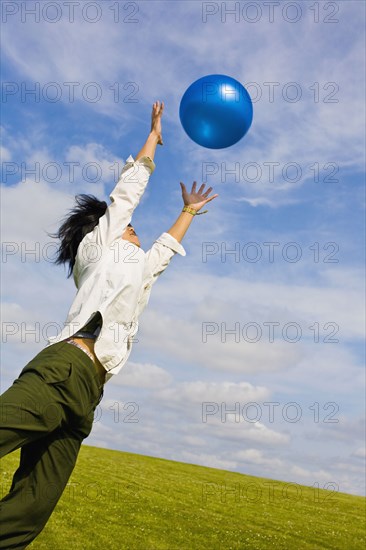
(118,500)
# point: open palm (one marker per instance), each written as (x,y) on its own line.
(196,199)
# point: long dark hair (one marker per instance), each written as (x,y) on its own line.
(82,219)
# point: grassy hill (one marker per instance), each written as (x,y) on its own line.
(122,501)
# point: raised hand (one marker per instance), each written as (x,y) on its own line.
(157,113)
(196,199)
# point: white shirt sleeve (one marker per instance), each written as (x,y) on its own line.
(159,255)
(157,260)
(125,197)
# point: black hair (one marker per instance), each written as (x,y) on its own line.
(82,220)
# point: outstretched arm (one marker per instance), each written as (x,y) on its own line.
(155,137)
(130,187)
(168,244)
(195,200)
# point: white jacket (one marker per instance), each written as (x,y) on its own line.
(113,275)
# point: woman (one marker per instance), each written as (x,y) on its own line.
(49,409)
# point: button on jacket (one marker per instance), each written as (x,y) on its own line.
(113,275)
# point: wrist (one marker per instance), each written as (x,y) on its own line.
(154,136)
(193,210)
(189,209)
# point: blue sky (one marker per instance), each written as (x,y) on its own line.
(172,372)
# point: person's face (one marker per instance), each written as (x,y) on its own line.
(130,235)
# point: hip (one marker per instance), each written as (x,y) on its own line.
(87,346)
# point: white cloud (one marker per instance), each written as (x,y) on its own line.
(275,202)
(144,375)
(214,355)
(193,441)
(47,205)
(257,457)
(205,459)
(95,162)
(241,430)
(197,392)
(306,475)
(5,154)
(360,452)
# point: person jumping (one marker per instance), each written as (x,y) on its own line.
(49,409)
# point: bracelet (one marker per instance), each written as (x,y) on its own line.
(193,211)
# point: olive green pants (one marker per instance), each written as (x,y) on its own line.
(48,411)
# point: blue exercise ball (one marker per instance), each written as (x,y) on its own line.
(216,111)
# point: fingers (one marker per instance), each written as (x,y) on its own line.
(200,190)
(158,108)
(207,192)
